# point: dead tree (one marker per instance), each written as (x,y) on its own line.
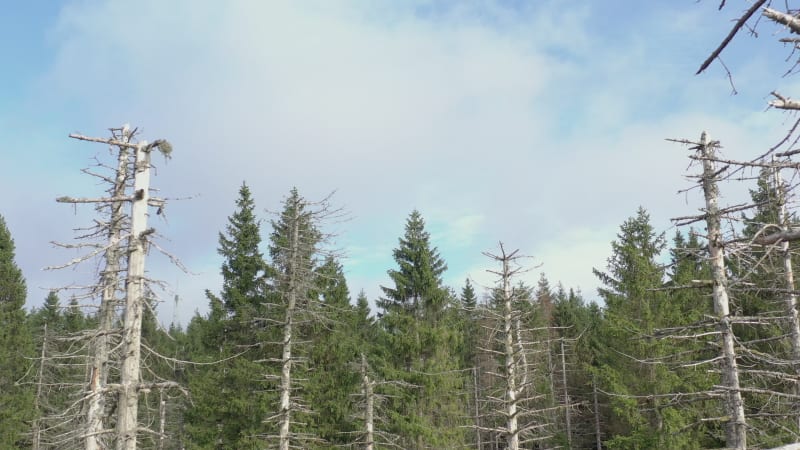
(123,240)
(37,431)
(128,403)
(736,435)
(370,404)
(517,412)
(790,297)
(736,425)
(296,250)
(767,378)
(101,345)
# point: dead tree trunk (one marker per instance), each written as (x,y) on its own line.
(162,419)
(37,432)
(286,358)
(597,429)
(790,298)
(515,372)
(127,421)
(736,432)
(369,410)
(109,280)
(567,406)
(476,393)
(512,390)
(120,225)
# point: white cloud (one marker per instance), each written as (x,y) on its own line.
(498,123)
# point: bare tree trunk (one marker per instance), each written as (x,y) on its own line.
(736,433)
(790,300)
(510,361)
(101,344)
(37,432)
(127,421)
(162,418)
(597,431)
(477,409)
(286,358)
(567,406)
(369,412)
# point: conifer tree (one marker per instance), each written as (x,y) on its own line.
(633,310)
(336,347)
(469,325)
(420,330)
(228,405)
(295,253)
(16,344)
(243,267)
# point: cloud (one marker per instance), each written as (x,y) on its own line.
(524,122)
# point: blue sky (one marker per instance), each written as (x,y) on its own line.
(517,121)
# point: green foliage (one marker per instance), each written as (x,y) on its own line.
(16,344)
(335,351)
(243,268)
(230,398)
(630,361)
(420,326)
(418,278)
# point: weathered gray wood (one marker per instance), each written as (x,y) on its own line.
(736,432)
(368,387)
(100,346)
(789,299)
(288,338)
(128,405)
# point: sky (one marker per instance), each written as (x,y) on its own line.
(539,124)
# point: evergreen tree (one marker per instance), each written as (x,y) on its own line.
(50,314)
(16,344)
(469,325)
(690,306)
(243,267)
(418,279)
(228,402)
(420,329)
(336,346)
(633,310)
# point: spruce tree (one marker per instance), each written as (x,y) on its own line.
(228,404)
(336,347)
(243,268)
(469,324)
(418,278)
(16,346)
(421,329)
(633,310)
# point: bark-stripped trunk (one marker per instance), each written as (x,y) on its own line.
(790,300)
(162,419)
(37,432)
(512,390)
(369,411)
(476,392)
(101,344)
(567,406)
(597,429)
(736,432)
(127,423)
(286,358)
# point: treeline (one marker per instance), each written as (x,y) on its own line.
(288,357)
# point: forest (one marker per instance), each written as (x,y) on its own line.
(694,344)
